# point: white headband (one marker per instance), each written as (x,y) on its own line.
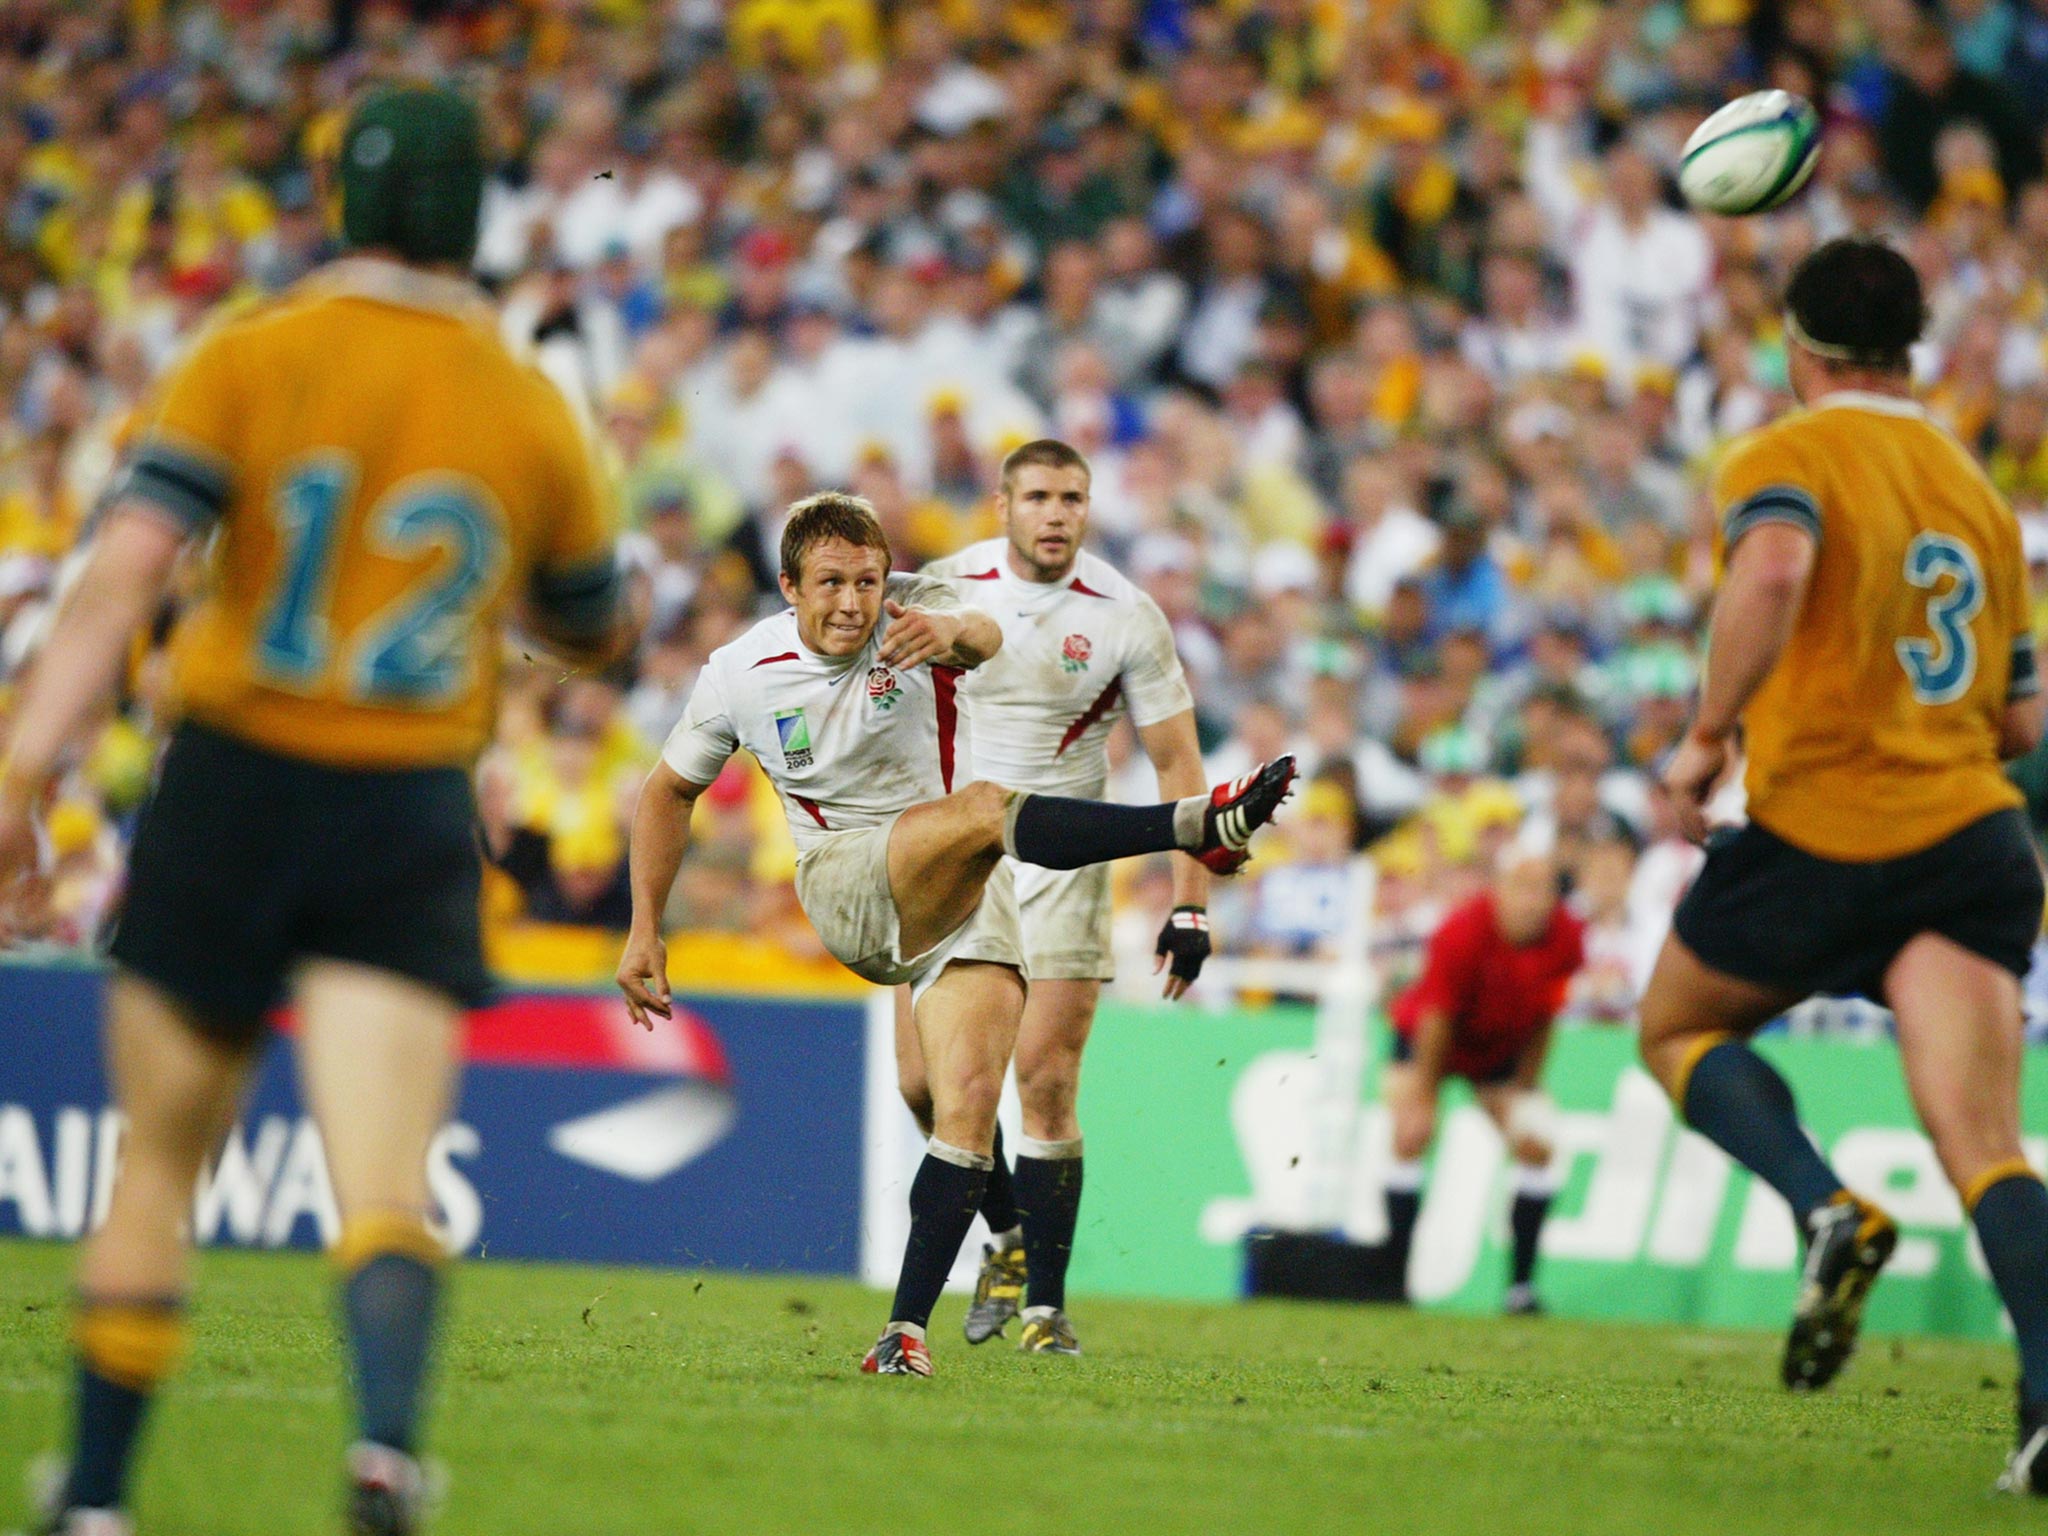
(1834,352)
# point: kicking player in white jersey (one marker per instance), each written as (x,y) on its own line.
(858,724)
(1081,647)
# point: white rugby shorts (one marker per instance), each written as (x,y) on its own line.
(842,882)
(1065,922)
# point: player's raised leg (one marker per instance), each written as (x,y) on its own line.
(942,852)
(999,1288)
(967,1026)
(1057,1018)
(378,1056)
(177,1088)
(1696,1024)
(1960,1040)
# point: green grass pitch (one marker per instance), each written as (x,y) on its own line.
(588,1402)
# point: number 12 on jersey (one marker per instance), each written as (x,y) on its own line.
(418,649)
(1942,668)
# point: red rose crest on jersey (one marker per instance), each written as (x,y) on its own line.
(1074,653)
(883,689)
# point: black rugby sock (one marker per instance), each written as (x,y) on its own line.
(1054,832)
(125,1348)
(109,1422)
(2011,1214)
(943,1199)
(1049,1201)
(1738,1101)
(1404,1209)
(1525,1221)
(999,1199)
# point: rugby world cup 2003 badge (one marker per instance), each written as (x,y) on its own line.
(883,689)
(795,735)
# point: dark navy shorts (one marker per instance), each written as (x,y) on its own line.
(247,861)
(1776,916)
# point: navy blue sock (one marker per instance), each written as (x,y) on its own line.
(1049,1200)
(1057,833)
(1404,1207)
(1525,1221)
(110,1419)
(2012,1225)
(1738,1101)
(999,1199)
(943,1199)
(125,1348)
(389,1303)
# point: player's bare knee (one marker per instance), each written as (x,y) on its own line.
(969,1094)
(1048,1084)
(987,806)
(968,1118)
(1531,1151)
(1049,1106)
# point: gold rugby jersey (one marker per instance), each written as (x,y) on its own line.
(384,480)
(1876,734)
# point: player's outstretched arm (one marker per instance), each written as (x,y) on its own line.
(661,835)
(962,638)
(119,591)
(1185,940)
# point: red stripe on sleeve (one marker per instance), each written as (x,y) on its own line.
(767,661)
(988,575)
(944,681)
(812,806)
(1104,702)
(1081,587)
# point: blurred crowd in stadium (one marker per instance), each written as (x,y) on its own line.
(1397,363)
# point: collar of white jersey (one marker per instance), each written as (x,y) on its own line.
(1870,400)
(393,282)
(829,663)
(1025,586)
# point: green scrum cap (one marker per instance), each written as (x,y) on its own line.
(412,174)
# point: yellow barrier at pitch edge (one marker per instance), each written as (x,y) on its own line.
(554,955)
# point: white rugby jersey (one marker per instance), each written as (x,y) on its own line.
(847,742)
(1076,655)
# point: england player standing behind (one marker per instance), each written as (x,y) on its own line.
(382,483)
(1081,647)
(857,723)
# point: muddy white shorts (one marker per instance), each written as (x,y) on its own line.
(842,882)
(1065,916)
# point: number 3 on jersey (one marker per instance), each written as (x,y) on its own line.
(1942,668)
(417,650)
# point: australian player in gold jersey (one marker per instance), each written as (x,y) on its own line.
(382,484)
(1872,644)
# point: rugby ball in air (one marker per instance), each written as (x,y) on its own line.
(1751,155)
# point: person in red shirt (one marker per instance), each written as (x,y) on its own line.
(1495,976)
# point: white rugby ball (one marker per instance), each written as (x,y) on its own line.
(1751,155)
